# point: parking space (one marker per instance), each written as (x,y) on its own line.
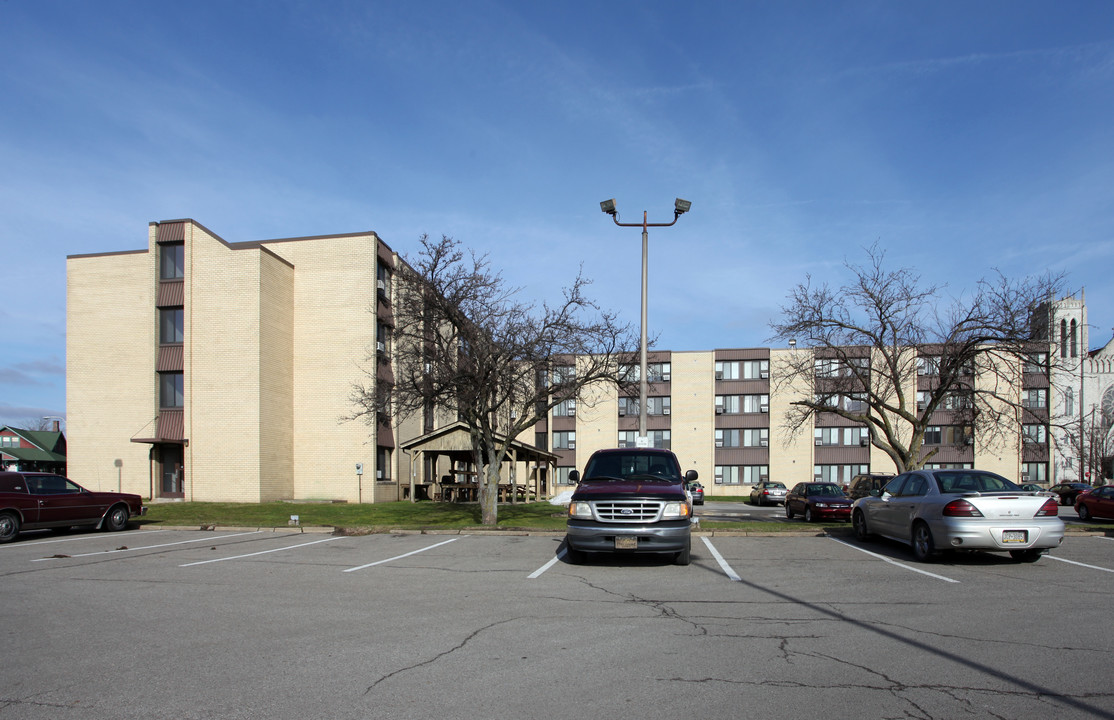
(410,625)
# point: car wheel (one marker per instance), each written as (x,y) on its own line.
(788,511)
(923,547)
(684,557)
(574,556)
(9,527)
(1026,556)
(117,519)
(858,524)
(808,514)
(1084,513)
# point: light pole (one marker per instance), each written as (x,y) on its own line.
(680,207)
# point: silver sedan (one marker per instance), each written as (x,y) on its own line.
(936,510)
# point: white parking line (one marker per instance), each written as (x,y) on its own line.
(734,576)
(149,547)
(85,536)
(894,562)
(551,563)
(399,557)
(261,552)
(1072,562)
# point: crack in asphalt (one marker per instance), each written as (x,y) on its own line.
(429,661)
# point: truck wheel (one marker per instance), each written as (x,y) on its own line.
(684,556)
(575,557)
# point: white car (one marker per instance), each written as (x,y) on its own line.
(938,510)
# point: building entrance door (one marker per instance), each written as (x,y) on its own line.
(171,472)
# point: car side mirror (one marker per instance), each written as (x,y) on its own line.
(876,493)
(574,477)
(691,476)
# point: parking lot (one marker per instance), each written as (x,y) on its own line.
(242,624)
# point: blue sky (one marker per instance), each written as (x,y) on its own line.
(963,137)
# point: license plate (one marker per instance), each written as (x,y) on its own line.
(1015,536)
(626,543)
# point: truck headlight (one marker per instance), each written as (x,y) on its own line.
(580,510)
(675,510)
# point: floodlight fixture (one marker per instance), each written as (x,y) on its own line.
(608,206)
(680,207)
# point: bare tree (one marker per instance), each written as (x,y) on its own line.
(467,348)
(866,344)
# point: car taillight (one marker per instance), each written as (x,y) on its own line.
(961,508)
(1051,508)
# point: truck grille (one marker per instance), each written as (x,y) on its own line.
(632,511)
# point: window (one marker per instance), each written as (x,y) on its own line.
(564,440)
(847,436)
(541,440)
(383,464)
(960,400)
(742,369)
(1063,338)
(933,435)
(171,390)
(658,372)
(658,439)
(172,262)
(561,475)
(9,441)
(727,404)
(628,407)
(1035,363)
(753,437)
(1034,398)
(741,474)
(923,397)
(1034,434)
(928,365)
(1069,401)
(958,435)
(839,474)
(756,403)
(756,437)
(1034,472)
(655,372)
(170,325)
(658,405)
(949,466)
(565,408)
(564,374)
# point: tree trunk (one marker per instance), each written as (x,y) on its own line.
(489,495)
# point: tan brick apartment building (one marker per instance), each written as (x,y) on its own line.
(209,370)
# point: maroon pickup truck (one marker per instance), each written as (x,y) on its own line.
(630,500)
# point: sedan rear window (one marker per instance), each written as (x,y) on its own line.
(961,482)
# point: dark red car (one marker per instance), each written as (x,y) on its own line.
(30,501)
(1097,503)
(818,501)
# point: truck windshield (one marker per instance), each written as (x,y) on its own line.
(621,466)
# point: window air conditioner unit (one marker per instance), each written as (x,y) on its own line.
(572,444)
(764,375)
(863,442)
(622,412)
(380,346)
(765,408)
(381,286)
(819,441)
(719,374)
(719,443)
(1024,402)
(719,410)
(763,443)
(665,411)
